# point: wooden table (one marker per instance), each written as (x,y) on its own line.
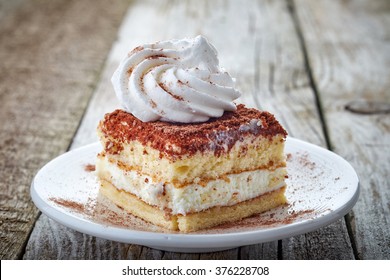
(322,67)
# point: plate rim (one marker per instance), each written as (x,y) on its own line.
(182,242)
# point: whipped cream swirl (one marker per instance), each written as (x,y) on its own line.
(174,81)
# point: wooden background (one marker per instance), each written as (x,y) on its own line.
(322,67)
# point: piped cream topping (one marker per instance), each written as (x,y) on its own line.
(174,81)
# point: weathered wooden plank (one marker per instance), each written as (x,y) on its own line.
(8,7)
(231,254)
(63,246)
(258,44)
(349,53)
(50,57)
(262,251)
(318,245)
(180,256)
(282,86)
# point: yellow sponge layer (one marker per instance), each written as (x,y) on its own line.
(250,154)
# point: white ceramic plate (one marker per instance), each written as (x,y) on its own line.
(322,187)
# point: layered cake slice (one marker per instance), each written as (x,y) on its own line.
(192,176)
(186,157)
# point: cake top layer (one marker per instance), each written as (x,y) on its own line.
(174,140)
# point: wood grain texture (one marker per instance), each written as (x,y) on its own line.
(45,47)
(259,45)
(60,242)
(262,251)
(349,53)
(282,86)
(7,8)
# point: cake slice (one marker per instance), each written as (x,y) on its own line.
(192,176)
(182,154)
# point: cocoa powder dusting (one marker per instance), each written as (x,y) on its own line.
(89,167)
(104,212)
(166,89)
(267,219)
(135,50)
(175,139)
(304,160)
(110,217)
(72,205)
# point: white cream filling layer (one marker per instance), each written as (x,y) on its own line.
(194,197)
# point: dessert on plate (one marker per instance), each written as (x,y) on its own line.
(182,154)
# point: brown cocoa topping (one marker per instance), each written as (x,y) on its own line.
(166,89)
(174,140)
(73,205)
(89,167)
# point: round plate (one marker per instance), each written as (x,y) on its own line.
(321,188)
